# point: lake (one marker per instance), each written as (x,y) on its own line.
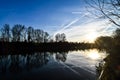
(73,65)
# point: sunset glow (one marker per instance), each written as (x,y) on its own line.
(91,37)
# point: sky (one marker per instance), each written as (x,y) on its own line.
(55,16)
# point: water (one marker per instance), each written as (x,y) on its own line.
(28,64)
(86,60)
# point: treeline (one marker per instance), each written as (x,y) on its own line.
(25,47)
(21,39)
(20,33)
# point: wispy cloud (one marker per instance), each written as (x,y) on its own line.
(80,32)
(85,23)
(64,27)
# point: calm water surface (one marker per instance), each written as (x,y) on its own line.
(16,65)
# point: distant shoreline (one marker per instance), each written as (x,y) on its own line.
(30,47)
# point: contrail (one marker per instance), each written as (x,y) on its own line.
(67,26)
(72,22)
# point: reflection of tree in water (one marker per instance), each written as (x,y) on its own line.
(61,56)
(4,62)
(15,64)
(37,60)
(19,63)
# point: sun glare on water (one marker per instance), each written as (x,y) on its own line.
(93,54)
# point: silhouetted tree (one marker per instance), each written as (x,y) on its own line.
(110,70)
(109,9)
(57,36)
(38,35)
(24,34)
(30,33)
(116,36)
(63,37)
(60,37)
(5,33)
(46,37)
(104,42)
(17,32)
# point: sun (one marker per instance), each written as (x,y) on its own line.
(91,37)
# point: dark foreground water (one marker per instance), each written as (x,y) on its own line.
(76,65)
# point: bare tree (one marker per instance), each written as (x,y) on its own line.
(109,9)
(30,33)
(46,36)
(38,36)
(57,37)
(5,33)
(60,37)
(17,32)
(63,37)
(24,34)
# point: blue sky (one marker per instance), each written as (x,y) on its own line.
(38,13)
(53,16)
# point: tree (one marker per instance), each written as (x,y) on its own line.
(30,33)
(38,35)
(24,34)
(17,32)
(46,36)
(117,33)
(104,42)
(60,37)
(63,37)
(109,9)
(57,37)
(116,36)
(42,35)
(5,33)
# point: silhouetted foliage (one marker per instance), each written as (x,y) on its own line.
(104,42)
(111,69)
(19,33)
(116,36)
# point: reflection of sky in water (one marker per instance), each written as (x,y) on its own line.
(84,59)
(37,61)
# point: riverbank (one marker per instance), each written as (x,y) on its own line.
(30,47)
